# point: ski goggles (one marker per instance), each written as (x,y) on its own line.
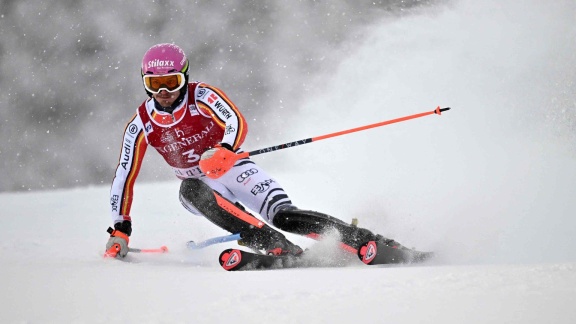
(170,82)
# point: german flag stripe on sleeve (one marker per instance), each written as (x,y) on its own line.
(131,155)
(138,157)
(208,111)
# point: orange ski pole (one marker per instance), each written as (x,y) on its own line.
(162,249)
(114,249)
(437,111)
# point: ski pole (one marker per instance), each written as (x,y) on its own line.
(115,248)
(225,165)
(215,240)
(437,111)
(162,249)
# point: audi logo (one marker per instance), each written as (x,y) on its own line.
(246,174)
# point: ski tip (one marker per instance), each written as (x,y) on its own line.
(367,252)
(230,259)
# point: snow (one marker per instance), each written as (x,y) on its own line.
(488,185)
(52,271)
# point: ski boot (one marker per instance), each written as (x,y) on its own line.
(315,225)
(354,239)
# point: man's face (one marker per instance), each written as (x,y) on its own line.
(165,98)
(165,88)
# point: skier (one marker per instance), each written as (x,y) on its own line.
(198,131)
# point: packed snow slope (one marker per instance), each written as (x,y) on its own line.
(488,185)
(52,272)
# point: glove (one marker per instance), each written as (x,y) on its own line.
(117,245)
(218,160)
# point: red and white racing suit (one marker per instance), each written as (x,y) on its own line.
(205,118)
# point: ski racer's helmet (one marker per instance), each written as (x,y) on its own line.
(165,67)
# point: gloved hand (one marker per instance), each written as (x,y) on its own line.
(117,245)
(218,160)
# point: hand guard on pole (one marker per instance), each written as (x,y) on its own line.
(218,160)
(117,245)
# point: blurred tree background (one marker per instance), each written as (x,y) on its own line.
(70,72)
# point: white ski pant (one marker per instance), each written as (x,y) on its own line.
(248,184)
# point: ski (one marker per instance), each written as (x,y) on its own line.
(235,259)
(370,253)
(376,252)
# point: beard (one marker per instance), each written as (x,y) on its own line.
(169,102)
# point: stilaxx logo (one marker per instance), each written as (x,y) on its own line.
(160,63)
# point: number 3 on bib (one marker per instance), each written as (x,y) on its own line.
(191,156)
